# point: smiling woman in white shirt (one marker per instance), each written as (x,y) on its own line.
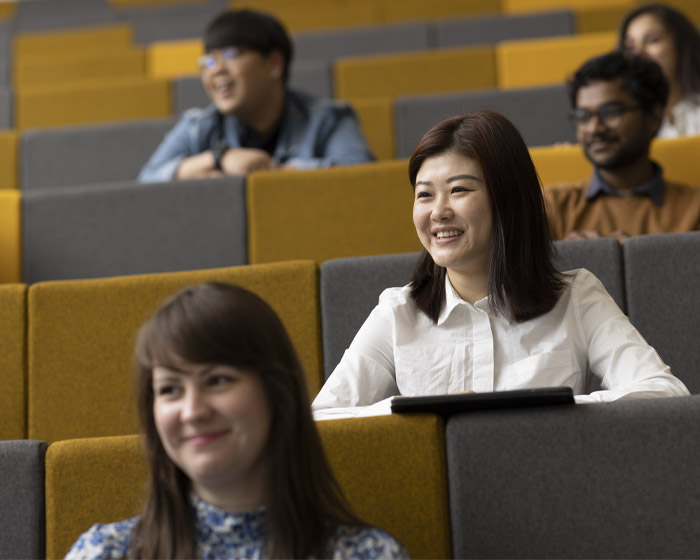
(486,310)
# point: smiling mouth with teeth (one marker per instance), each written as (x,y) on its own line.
(451,233)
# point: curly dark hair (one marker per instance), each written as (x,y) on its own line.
(641,78)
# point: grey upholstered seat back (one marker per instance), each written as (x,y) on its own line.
(6,107)
(83,155)
(22,499)
(170,22)
(486,30)
(350,289)
(358,41)
(539,113)
(662,274)
(42,15)
(312,76)
(603,257)
(612,480)
(131,228)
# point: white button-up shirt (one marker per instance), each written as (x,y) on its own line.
(584,342)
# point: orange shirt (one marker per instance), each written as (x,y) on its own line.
(568,210)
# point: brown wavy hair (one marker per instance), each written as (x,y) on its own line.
(217,323)
(521,274)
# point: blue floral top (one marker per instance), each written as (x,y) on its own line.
(221,534)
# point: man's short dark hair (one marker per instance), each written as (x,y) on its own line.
(641,78)
(249,29)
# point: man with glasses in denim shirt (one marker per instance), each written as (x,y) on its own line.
(255,122)
(618,104)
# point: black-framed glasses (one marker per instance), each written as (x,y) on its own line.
(224,57)
(609,115)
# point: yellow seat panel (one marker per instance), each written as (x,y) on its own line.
(538,62)
(92,101)
(393,472)
(83,39)
(376,117)
(337,212)
(433,71)
(13,396)
(10,235)
(82,333)
(8,159)
(170,59)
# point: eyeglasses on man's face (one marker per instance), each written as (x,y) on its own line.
(609,116)
(223,57)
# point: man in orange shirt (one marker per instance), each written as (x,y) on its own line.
(618,105)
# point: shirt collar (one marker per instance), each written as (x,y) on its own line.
(655,188)
(452,301)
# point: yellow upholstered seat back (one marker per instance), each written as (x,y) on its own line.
(88,481)
(10,235)
(538,62)
(568,164)
(85,39)
(8,159)
(13,351)
(82,333)
(330,213)
(171,59)
(431,71)
(92,101)
(376,116)
(393,471)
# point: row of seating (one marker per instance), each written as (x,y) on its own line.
(590,481)
(66,360)
(122,228)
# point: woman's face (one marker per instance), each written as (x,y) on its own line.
(214,423)
(646,36)
(452,213)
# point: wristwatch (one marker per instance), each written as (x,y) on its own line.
(218,151)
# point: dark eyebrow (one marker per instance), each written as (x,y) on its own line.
(430,184)
(465,176)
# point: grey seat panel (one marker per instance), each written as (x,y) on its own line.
(603,257)
(350,289)
(663,298)
(540,114)
(495,28)
(131,228)
(611,480)
(81,155)
(22,520)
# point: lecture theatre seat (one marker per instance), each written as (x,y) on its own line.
(22,499)
(42,69)
(350,287)
(82,39)
(540,114)
(568,164)
(376,116)
(536,62)
(609,480)
(81,338)
(7,119)
(8,159)
(88,154)
(661,276)
(91,101)
(399,485)
(116,229)
(13,363)
(338,212)
(362,40)
(43,15)
(88,481)
(404,10)
(494,28)
(313,76)
(432,71)
(10,240)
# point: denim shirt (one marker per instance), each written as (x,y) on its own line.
(313,133)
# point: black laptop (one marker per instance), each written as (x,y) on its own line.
(466,402)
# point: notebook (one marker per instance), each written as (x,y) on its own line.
(465,402)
